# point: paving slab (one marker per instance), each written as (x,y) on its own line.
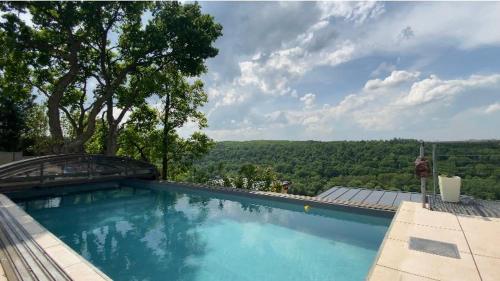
(476,239)
(482,234)
(382,273)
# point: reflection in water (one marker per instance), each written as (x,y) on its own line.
(122,237)
(145,234)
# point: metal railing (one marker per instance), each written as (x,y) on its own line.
(452,158)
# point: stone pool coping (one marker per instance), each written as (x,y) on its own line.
(55,253)
(476,239)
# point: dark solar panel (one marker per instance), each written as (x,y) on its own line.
(361,196)
(402,196)
(388,198)
(374,197)
(328,192)
(394,199)
(337,193)
(349,194)
(416,197)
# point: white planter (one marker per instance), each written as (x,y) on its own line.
(450,188)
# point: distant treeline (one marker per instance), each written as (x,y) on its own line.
(314,166)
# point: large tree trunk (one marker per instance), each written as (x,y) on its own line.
(84,133)
(56,96)
(111,143)
(164,170)
(113,130)
(55,125)
(53,112)
(113,124)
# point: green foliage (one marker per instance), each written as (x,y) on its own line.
(313,167)
(249,176)
(36,138)
(141,138)
(69,45)
(15,97)
(97,143)
(181,101)
(13,121)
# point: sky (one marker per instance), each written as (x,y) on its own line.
(354,70)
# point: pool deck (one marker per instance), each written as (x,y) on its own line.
(393,198)
(28,251)
(474,240)
(2,274)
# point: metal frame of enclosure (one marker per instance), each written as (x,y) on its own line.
(71,168)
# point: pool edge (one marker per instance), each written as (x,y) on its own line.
(53,248)
(373,209)
(381,247)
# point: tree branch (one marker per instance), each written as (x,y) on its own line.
(70,118)
(82,107)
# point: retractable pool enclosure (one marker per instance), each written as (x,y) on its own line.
(72,168)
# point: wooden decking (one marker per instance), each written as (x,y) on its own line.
(470,207)
(389,198)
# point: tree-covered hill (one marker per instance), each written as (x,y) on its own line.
(314,166)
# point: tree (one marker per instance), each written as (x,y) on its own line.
(140,137)
(181,101)
(184,152)
(13,115)
(15,97)
(313,167)
(249,172)
(36,140)
(69,47)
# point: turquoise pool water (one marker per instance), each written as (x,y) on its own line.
(140,231)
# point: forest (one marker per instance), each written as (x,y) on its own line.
(314,166)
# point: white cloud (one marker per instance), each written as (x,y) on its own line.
(434,89)
(493,108)
(308,100)
(273,74)
(433,25)
(263,100)
(408,107)
(357,12)
(386,108)
(395,79)
(320,45)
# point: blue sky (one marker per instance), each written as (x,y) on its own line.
(354,70)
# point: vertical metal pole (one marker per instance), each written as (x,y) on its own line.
(422,179)
(91,166)
(434,169)
(89,174)
(41,172)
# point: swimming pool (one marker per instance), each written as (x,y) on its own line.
(142,231)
